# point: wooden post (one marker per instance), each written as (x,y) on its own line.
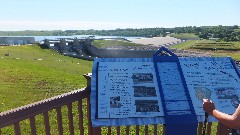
(46,123)
(33,125)
(80,112)
(88,77)
(222,129)
(17,128)
(92,130)
(70,119)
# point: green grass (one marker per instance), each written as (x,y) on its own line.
(185,45)
(213,45)
(208,45)
(214,48)
(108,43)
(234,55)
(31,74)
(237,30)
(185,35)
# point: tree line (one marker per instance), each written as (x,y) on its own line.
(222,33)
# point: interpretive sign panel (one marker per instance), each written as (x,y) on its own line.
(212,78)
(129,91)
(124,91)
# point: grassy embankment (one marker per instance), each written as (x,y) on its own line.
(185,35)
(231,49)
(37,74)
(31,74)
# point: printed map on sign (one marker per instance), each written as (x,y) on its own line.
(128,90)
(214,79)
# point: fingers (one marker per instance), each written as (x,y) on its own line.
(206,100)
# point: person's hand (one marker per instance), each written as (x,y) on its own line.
(208,106)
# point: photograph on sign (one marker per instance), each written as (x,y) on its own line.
(212,79)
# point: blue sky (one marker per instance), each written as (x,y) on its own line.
(112,14)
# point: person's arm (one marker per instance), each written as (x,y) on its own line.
(231,121)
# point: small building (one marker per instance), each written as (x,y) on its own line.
(215,39)
(16,40)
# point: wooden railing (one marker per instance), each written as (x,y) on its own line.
(77,122)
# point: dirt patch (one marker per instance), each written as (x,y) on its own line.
(156,41)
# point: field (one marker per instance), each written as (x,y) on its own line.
(185,35)
(31,74)
(214,48)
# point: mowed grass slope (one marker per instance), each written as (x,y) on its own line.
(231,49)
(31,74)
(185,35)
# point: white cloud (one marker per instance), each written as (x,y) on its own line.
(64,25)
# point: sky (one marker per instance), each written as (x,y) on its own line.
(18,15)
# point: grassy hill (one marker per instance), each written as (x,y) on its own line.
(31,74)
(185,35)
(215,48)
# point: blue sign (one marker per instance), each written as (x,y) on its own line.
(164,89)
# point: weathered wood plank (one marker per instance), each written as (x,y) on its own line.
(222,129)
(118,130)
(31,110)
(109,130)
(89,116)
(80,112)
(164,129)
(155,129)
(127,130)
(209,128)
(137,130)
(46,123)
(200,128)
(17,128)
(59,120)
(96,130)
(70,119)
(33,126)
(146,129)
